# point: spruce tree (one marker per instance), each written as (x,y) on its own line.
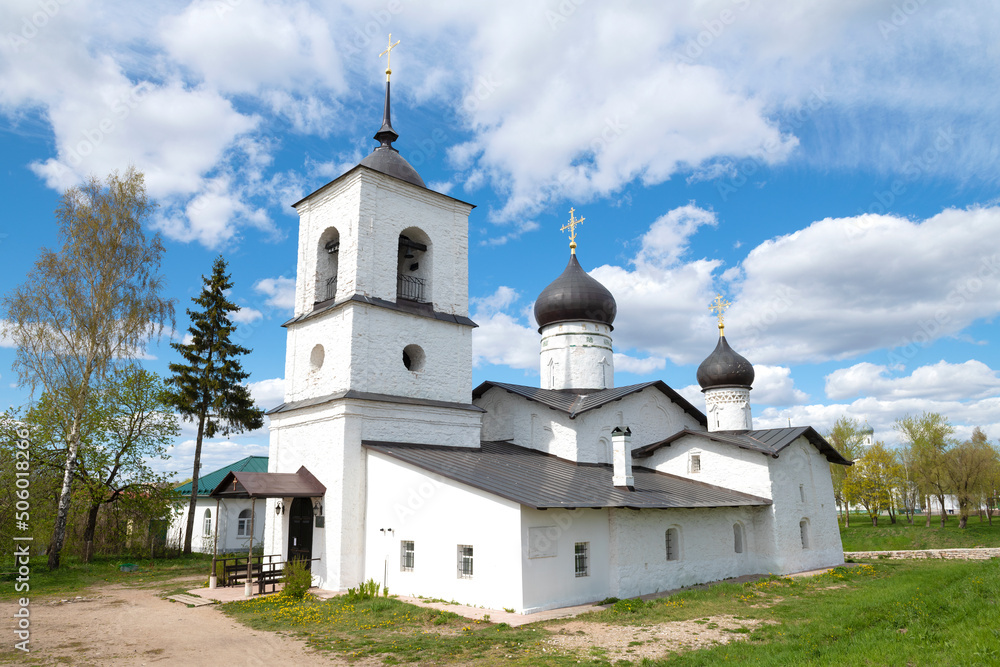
(207,387)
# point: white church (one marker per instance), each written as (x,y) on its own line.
(385,462)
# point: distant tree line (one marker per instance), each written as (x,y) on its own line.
(929,467)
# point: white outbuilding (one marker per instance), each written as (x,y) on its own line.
(510,496)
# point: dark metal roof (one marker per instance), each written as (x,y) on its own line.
(403,306)
(574,296)
(371,396)
(300,484)
(725,368)
(575,402)
(769,441)
(542,481)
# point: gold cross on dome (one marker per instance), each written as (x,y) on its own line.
(719,307)
(571,226)
(388,56)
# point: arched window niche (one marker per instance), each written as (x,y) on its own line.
(413,266)
(738,537)
(327,265)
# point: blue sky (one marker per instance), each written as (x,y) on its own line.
(830,168)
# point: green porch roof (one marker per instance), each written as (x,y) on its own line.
(206,483)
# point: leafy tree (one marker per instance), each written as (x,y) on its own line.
(207,387)
(908,490)
(970,467)
(87,306)
(129,425)
(877,473)
(846,437)
(929,437)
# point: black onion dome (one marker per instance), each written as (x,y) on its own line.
(725,368)
(573,297)
(387,159)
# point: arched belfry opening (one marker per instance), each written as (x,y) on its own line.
(327,264)
(413,266)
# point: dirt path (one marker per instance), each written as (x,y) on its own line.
(115,626)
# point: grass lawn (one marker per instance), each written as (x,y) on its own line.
(862,536)
(74,576)
(889,613)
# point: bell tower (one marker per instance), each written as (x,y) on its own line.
(379,347)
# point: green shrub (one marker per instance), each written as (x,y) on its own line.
(366,591)
(296,579)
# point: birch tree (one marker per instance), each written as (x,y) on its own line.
(929,436)
(87,306)
(846,438)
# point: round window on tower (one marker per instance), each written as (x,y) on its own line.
(413,358)
(316,357)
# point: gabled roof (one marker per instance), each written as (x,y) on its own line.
(542,481)
(208,482)
(299,484)
(767,441)
(577,402)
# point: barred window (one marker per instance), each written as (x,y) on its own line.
(464,561)
(406,556)
(673,546)
(581,559)
(695,462)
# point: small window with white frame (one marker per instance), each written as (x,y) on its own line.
(406,556)
(464,561)
(208,523)
(581,559)
(694,462)
(243,524)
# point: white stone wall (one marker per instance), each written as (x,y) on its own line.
(650,415)
(550,579)
(639,562)
(438,515)
(370,210)
(362,349)
(326,439)
(577,355)
(227,518)
(802,465)
(728,409)
(722,465)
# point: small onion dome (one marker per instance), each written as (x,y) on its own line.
(867,430)
(725,368)
(574,297)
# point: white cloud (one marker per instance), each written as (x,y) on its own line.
(942,381)
(268,394)
(247,315)
(773,385)
(627,364)
(243,47)
(844,287)
(280,291)
(500,338)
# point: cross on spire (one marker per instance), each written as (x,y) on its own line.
(719,307)
(388,56)
(571,226)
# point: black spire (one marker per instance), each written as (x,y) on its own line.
(386,135)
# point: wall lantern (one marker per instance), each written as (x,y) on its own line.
(317,507)
(279,508)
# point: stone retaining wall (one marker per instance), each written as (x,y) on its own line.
(952,554)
